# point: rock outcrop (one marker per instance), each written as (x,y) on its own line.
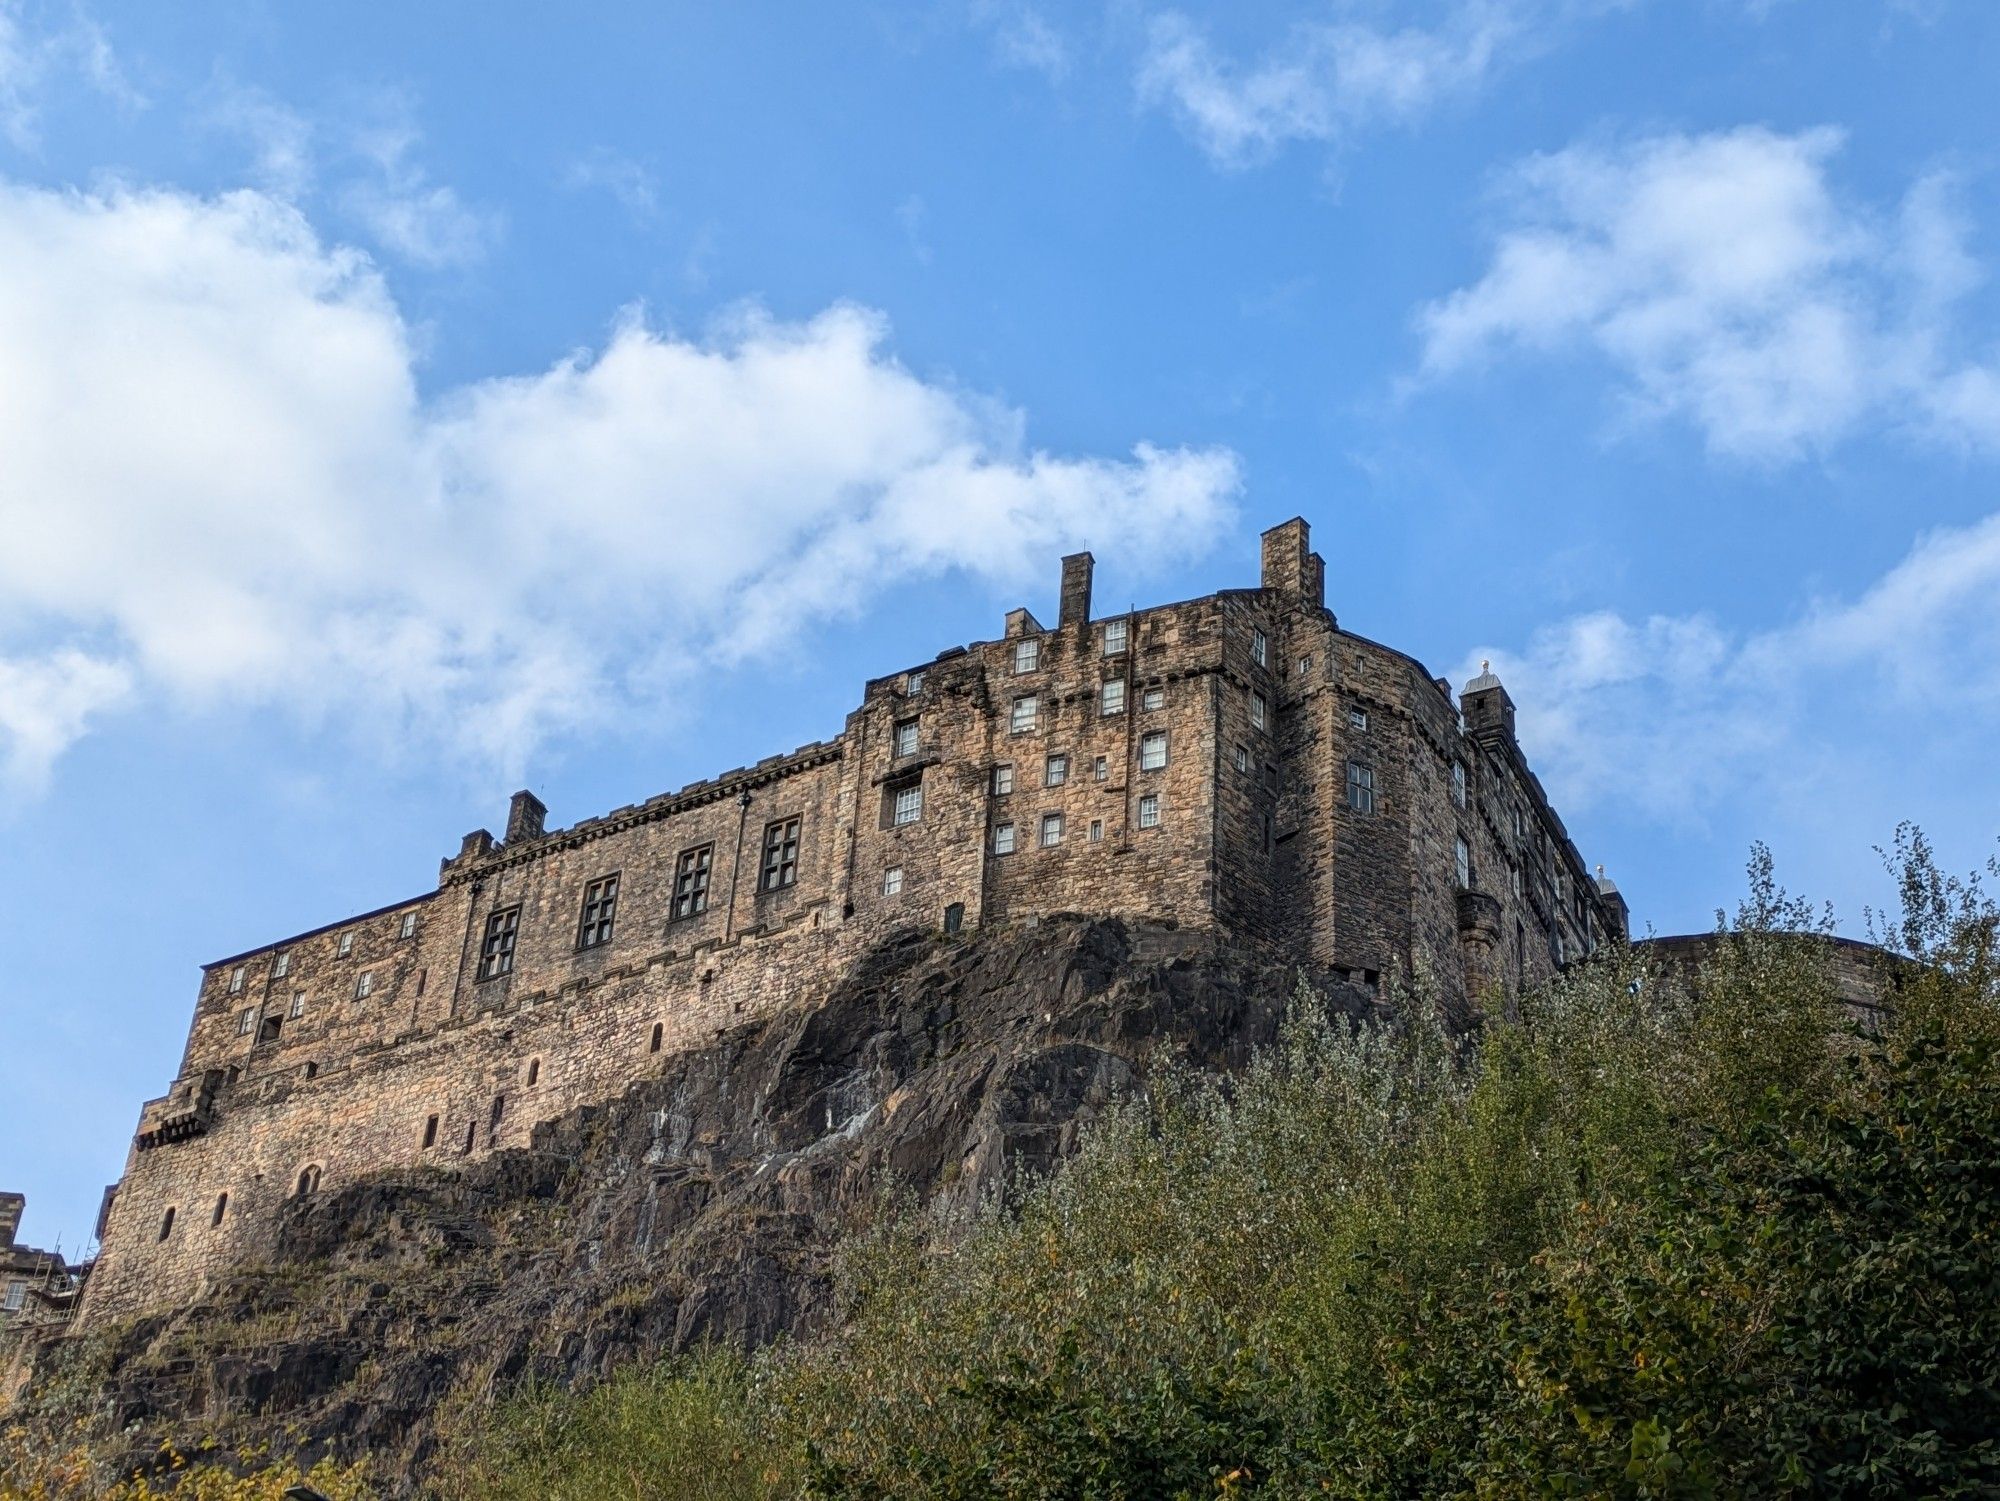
(701,1205)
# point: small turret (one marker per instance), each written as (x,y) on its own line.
(1486,708)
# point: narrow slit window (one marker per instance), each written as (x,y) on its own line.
(221,1208)
(534,1072)
(659,1036)
(167,1223)
(430,1132)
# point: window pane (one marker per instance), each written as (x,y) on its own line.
(1149,811)
(1114,637)
(1153,751)
(906,738)
(1003,780)
(1024,714)
(892,880)
(1058,771)
(1113,701)
(909,804)
(1027,655)
(1052,828)
(1153,698)
(1003,839)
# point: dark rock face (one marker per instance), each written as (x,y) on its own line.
(701,1205)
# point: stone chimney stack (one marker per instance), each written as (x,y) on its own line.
(525,817)
(11,1206)
(1075,609)
(1291,566)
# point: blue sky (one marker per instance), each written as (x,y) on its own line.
(399,405)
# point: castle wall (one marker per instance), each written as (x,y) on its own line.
(296,1081)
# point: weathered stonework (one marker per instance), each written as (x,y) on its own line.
(299,1073)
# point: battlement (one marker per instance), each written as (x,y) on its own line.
(1235,762)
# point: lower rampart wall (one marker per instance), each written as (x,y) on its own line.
(581,1044)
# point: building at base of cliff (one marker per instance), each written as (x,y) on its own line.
(1238,762)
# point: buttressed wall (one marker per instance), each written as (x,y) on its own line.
(1236,761)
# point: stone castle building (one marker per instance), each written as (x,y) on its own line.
(1237,762)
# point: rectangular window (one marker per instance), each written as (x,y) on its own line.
(1051,829)
(1153,698)
(1149,811)
(1461,859)
(282,965)
(17,1294)
(1114,637)
(364,985)
(1027,654)
(1003,839)
(781,855)
(1003,780)
(1100,770)
(1022,721)
(236,980)
(906,737)
(1360,787)
(496,950)
(431,1132)
(600,908)
(1112,699)
(1257,711)
(1240,758)
(909,804)
(1305,666)
(345,946)
(1057,771)
(1514,877)
(1097,831)
(1260,648)
(409,928)
(298,1006)
(1357,719)
(246,1021)
(691,881)
(913,684)
(1458,784)
(1153,750)
(892,881)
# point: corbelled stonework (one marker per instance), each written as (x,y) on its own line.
(1236,762)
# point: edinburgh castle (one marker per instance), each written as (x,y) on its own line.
(1235,763)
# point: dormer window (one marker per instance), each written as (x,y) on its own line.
(906,737)
(1027,654)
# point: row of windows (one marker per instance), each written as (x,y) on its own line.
(777,870)
(1052,826)
(1055,769)
(1025,716)
(281,962)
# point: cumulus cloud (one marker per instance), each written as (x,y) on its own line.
(1729,284)
(1334,77)
(1852,698)
(223,486)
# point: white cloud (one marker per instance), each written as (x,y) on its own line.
(1729,284)
(32,56)
(629,183)
(404,212)
(1844,718)
(1332,78)
(223,487)
(1024,38)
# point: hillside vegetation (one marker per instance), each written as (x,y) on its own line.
(1648,1239)
(1650,1234)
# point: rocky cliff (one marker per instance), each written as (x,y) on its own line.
(703,1204)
